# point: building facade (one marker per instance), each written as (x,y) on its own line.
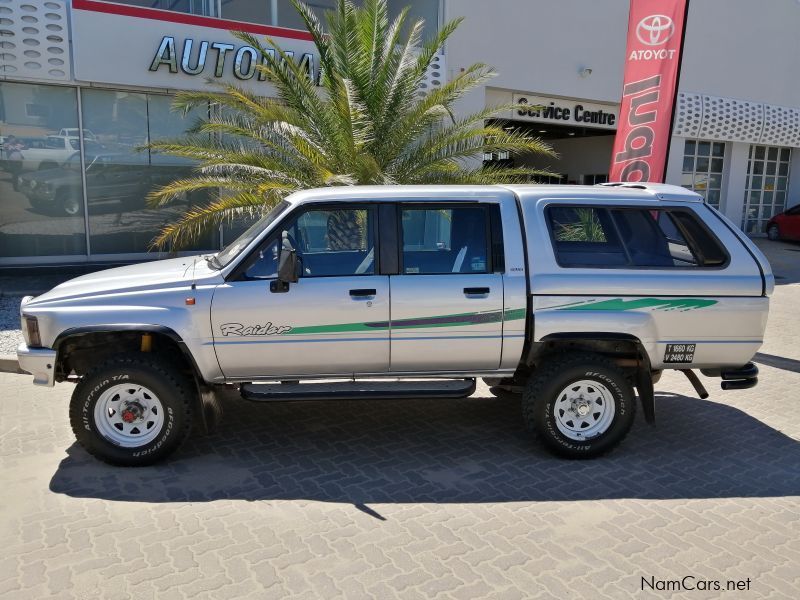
(85,84)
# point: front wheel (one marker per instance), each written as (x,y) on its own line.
(580,405)
(132,411)
(773,233)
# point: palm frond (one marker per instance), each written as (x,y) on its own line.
(363,121)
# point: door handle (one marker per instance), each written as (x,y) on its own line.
(476,291)
(361,293)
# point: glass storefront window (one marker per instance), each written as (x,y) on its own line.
(283,14)
(41,213)
(120,174)
(249,11)
(703,162)
(165,124)
(766,184)
(208,8)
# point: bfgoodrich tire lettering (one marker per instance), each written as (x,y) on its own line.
(175,396)
(546,386)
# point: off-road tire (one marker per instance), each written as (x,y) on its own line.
(551,378)
(174,390)
(773,233)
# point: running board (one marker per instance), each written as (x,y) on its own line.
(358,390)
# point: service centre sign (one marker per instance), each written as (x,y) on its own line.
(130,45)
(559,111)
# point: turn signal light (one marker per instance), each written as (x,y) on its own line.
(32,327)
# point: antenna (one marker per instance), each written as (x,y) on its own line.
(190,301)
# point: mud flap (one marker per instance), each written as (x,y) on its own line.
(647,394)
(210,410)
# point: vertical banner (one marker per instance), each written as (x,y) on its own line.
(652,61)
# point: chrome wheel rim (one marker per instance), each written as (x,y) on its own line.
(72,206)
(584,410)
(772,233)
(129,415)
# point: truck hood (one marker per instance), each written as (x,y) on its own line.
(153,275)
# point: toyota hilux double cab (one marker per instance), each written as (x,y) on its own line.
(575,297)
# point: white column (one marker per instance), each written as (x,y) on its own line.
(675,160)
(793,193)
(734,181)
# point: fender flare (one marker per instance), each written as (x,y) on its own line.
(205,393)
(643,379)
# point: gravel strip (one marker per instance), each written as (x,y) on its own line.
(10,334)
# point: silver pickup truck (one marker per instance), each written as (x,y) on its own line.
(574,297)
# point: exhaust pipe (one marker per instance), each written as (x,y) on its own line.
(695,381)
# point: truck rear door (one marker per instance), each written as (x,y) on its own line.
(447,299)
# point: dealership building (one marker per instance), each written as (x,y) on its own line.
(84,84)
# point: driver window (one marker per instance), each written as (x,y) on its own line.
(329,243)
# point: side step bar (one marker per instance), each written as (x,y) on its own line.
(357,390)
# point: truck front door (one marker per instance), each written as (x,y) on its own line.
(447,300)
(333,321)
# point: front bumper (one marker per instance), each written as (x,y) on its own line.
(39,362)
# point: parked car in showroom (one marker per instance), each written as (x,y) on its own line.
(43,153)
(785,226)
(73,132)
(109,178)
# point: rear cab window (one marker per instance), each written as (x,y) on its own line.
(632,237)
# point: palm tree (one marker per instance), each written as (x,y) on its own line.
(363,122)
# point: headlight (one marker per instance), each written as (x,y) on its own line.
(32,184)
(32,328)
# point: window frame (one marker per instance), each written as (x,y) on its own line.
(486,207)
(631,267)
(238,273)
(709,172)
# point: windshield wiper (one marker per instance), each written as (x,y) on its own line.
(212,261)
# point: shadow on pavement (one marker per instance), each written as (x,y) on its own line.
(472,450)
(779,362)
(784,258)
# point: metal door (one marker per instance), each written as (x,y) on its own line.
(447,303)
(333,321)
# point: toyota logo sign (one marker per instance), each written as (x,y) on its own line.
(655,30)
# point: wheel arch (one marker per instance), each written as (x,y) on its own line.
(625,349)
(77,347)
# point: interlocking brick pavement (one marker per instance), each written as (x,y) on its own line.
(413,499)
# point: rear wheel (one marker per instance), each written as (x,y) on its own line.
(773,233)
(132,411)
(68,203)
(580,405)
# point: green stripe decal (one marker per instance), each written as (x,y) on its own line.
(340,328)
(452,320)
(620,304)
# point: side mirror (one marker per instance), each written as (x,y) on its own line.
(287,266)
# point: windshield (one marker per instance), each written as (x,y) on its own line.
(232,251)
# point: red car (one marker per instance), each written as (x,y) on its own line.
(785,226)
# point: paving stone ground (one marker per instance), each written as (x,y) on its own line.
(416,499)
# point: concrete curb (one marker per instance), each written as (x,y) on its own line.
(9,364)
